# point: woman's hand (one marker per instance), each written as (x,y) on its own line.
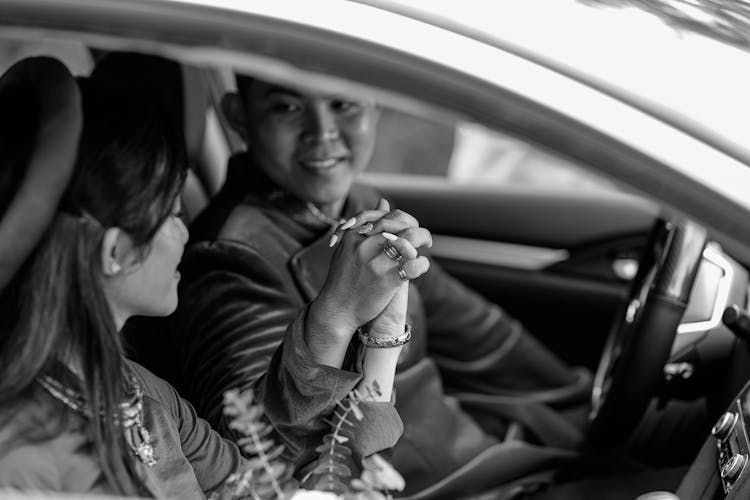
(391,321)
(363,281)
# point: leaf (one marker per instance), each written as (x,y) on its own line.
(331,440)
(341,418)
(341,439)
(365,495)
(251,446)
(336,468)
(357,412)
(314,495)
(274,470)
(340,452)
(245,414)
(267,475)
(332,484)
(275,453)
(381,474)
(246,441)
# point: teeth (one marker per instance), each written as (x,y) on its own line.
(321,163)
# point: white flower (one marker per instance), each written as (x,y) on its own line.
(314,495)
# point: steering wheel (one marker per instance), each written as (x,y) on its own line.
(639,343)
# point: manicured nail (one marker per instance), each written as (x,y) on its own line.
(348,224)
(366,228)
(334,239)
(389,236)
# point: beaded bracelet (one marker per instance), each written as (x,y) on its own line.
(369,341)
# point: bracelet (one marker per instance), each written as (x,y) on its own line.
(396,341)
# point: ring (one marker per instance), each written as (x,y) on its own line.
(402,274)
(366,228)
(392,252)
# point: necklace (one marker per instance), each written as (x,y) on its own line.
(136,434)
(315,211)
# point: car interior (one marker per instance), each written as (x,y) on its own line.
(579,258)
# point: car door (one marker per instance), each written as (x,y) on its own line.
(550,242)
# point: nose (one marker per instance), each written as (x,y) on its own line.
(320,123)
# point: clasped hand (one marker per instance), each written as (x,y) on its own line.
(364,285)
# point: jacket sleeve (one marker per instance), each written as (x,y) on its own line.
(212,458)
(480,348)
(242,327)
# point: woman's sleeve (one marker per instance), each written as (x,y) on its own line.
(298,394)
(481,348)
(241,327)
(212,457)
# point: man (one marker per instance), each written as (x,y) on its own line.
(261,252)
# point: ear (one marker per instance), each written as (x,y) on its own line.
(117,251)
(234,112)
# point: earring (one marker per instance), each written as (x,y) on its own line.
(115,268)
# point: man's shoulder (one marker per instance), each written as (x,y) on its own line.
(237,230)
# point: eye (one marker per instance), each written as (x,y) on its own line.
(345,106)
(284,108)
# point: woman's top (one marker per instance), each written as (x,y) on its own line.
(40,451)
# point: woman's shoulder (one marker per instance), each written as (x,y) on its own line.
(153,386)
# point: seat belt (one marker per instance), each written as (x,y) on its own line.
(552,428)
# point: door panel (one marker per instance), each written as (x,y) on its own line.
(547,258)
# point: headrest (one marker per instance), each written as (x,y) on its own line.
(179,88)
(40,126)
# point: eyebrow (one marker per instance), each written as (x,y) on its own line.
(286,91)
(276,89)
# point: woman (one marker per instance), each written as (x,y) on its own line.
(76,415)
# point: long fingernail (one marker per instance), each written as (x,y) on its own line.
(348,224)
(366,228)
(389,236)
(334,239)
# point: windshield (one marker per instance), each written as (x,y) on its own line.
(694,80)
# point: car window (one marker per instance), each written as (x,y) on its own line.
(462,152)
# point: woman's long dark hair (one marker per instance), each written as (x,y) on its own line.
(129,170)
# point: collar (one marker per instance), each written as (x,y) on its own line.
(256,188)
(310,263)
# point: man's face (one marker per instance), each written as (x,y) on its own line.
(310,143)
